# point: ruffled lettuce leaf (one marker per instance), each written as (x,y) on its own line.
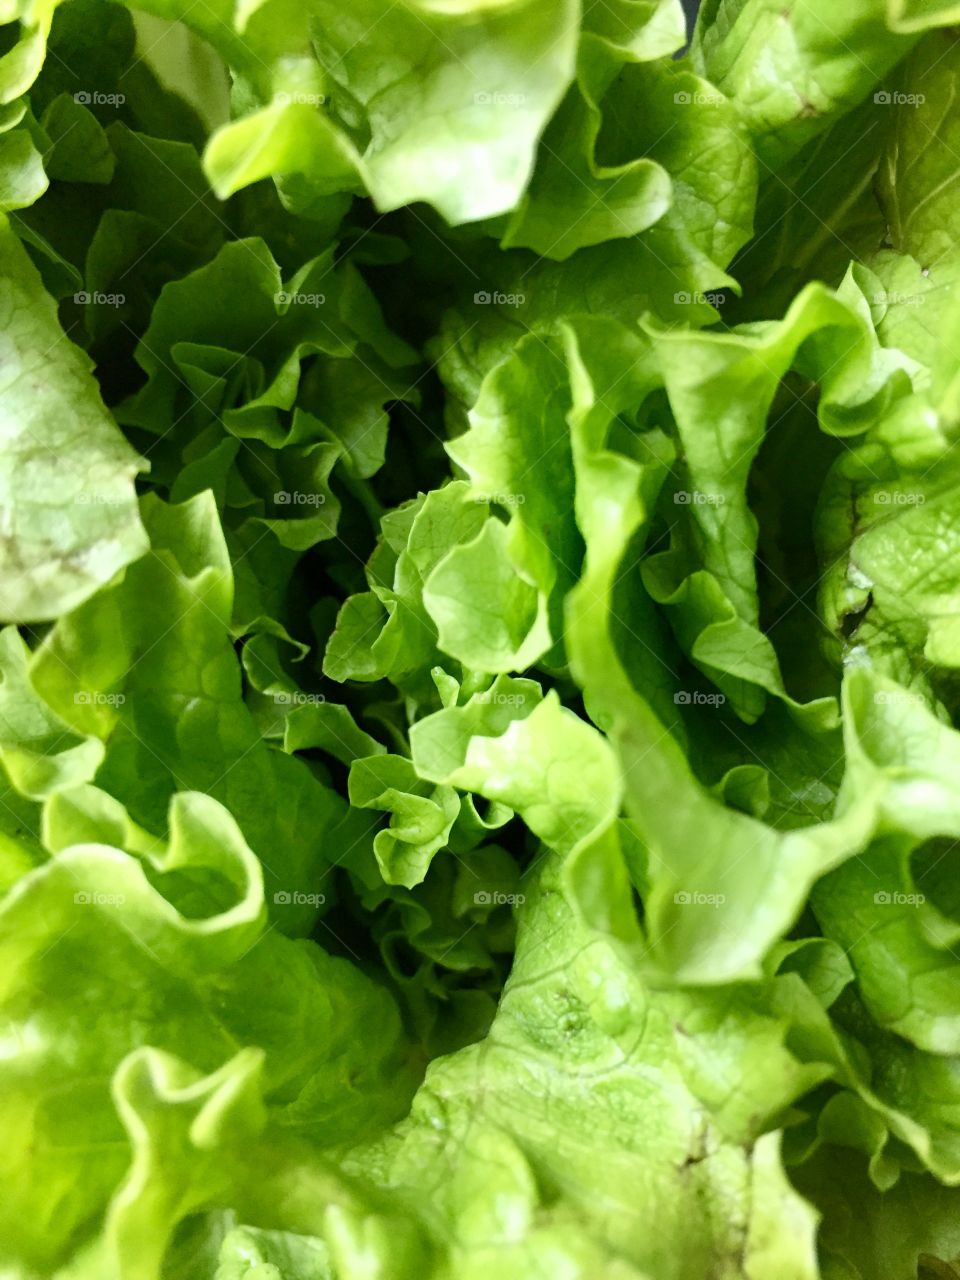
(59,441)
(489,801)
(184,923)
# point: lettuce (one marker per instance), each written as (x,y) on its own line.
(479,753)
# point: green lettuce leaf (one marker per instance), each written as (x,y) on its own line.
(185,926)
(514,1167)
(164,695)
(60,440)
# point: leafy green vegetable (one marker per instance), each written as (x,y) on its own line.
(478,700)
(70,512)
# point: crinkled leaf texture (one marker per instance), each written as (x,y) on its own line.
(60,449)
(479,775)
